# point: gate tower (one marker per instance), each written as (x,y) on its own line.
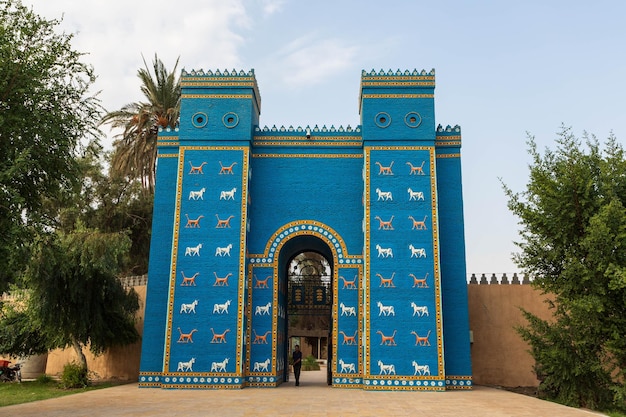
(236,202)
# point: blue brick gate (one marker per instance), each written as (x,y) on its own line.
(234,203)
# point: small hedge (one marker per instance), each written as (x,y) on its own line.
(310,364)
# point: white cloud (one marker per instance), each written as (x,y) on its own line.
(272,6)
(309,60)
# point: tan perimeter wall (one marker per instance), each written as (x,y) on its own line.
(499,356)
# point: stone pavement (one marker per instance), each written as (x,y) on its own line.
(312,398)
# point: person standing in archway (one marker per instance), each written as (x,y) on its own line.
(297,363)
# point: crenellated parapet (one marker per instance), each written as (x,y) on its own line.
(217,80)
(397,73)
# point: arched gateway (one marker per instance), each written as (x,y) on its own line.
(235,203)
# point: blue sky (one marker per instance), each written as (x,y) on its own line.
(503,69)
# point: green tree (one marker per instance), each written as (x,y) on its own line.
(46,109)
(573,242)
(108,203)
(74,297)
(135,148)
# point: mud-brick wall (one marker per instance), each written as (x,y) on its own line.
(119,363)
(499,356)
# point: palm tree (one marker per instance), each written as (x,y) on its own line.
(135,150)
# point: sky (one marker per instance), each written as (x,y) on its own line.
(504,70)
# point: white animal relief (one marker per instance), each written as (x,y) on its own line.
(228,195)
(186,366)
(262,366)
(385,310)
(347,367)
(420,369)
(384,195)
(193,250)
(386,369)
(415,195)
(347,311)
(221,308)
(189,308)
(417,252)
(197,195)
(263,310)
(219,366)
(225,251)
(384,252)
(419,310)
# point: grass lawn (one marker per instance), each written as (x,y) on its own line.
(13,393)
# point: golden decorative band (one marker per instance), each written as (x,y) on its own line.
(398,96)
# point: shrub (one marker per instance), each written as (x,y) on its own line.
(44,379)
(74,376)
(310,364)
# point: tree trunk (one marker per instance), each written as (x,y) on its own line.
(79,352)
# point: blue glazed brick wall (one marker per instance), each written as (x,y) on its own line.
(235,202)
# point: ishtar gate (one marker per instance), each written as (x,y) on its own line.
(346,240)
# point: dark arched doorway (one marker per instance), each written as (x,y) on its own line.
(306,270)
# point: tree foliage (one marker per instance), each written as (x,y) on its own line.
(46,109)
(573,242)
(75,298)
(135,148)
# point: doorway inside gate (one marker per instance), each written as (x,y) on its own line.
(308,272)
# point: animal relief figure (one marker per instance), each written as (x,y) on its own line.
(348,340)
(421,340)
(415,195)
(189,308)
(222,224)
(219,338)
(420,369)
(263,310)
(384,252)
(197,195)
(228,170)
(189,281)
(261,283)
(419,282)
(384,225)
(351,285)
(387,340)
(384,195)
(386,282)
(193,223)
(186,366)
(417,252)
(417,224)
(260,338)
(225,251)
(416,170)
(386,369)
(219,366)
(193,251)
(385,310)
(347,311)
(196,169)
(186,337)
(384,170)
(347,367)
(262,366)
(221,308)
(221,281)
(419,310)
(228,195)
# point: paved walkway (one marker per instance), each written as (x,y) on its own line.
(312,398)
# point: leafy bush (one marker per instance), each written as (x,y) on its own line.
(74,376)
(310,364)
